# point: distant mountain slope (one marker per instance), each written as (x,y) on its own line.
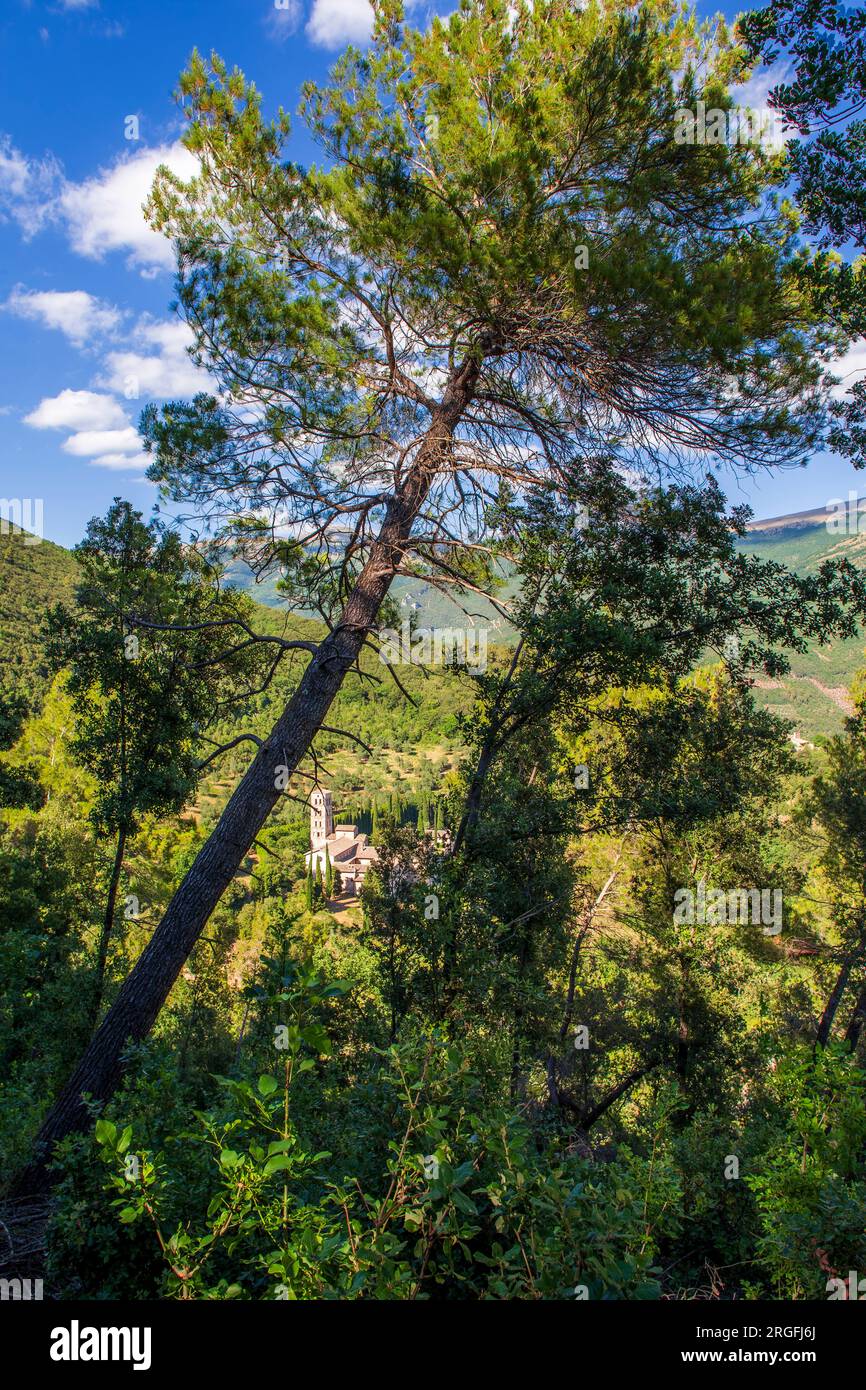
(34,575)
(430,607)
(815,695)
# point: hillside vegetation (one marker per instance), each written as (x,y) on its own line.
(815,695)
(34,575)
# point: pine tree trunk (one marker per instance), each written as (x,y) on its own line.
(830,1008)
(857,1020)
(472,809)
(107,927)
(147,986)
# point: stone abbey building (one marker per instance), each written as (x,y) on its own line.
(348,850)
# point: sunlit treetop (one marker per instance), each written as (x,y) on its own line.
(502,205)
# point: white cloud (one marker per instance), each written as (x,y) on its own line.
(77,410)
(103,442)
(136,374)
(282,19)
(169,335)
(850,368)
(77,314)
(755,92)
(79,4)
(334,23)
(753,95)
(27,187)
(104,213)
(167,372)
(118,461)
(14,170)
(102,431)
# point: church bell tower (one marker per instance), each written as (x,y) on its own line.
(321,818)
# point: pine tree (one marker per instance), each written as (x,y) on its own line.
(309,887)
(415,290)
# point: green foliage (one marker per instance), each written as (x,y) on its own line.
(820,97)
(142,673)
(33,577)
(19,786)
(513,1070)
(810,1189)
(439,234)
(464,1206)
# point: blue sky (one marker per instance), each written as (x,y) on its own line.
(86,332)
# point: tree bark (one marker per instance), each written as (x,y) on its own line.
(148,984)
(107,926)
(591,1117)
(858,1019)
(587,1116)
(472,809)
(826,1021)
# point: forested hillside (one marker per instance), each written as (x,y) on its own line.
(418,728)
(34,574)
(601,962)
(814,695)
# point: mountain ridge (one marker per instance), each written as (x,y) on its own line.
(814,695)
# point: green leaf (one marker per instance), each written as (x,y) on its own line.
(463,1203)
(278,1164)
(315,1037)
(280,1146)
(106,1132)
